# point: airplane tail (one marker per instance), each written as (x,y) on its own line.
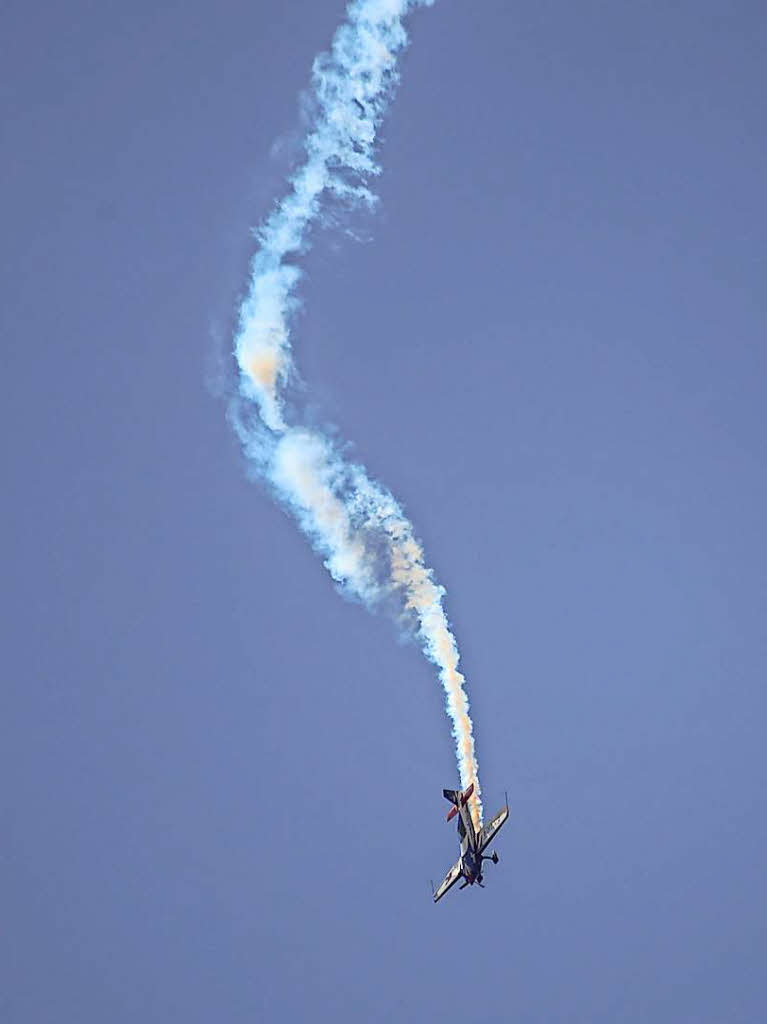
(456,797)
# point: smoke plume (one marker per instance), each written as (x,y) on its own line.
(355,524)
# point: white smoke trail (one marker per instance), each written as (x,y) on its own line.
(366,540)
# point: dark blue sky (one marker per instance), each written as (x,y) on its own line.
(221,783)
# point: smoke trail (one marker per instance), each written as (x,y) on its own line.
(353,522)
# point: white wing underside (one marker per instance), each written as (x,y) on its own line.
(450,879)
(490,831)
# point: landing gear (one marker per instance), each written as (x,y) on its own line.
(493,857)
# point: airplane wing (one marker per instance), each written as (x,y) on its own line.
(450,879)
(492,828)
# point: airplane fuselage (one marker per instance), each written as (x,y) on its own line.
(471,867)
(471,860)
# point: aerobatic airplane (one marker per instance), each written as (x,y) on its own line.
(473,842)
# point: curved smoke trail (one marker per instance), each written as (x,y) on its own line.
(355,523)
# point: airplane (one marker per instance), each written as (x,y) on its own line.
(360,105)
(473,842)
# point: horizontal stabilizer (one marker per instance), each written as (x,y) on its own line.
(455,796)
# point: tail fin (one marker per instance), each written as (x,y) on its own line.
(455,796)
